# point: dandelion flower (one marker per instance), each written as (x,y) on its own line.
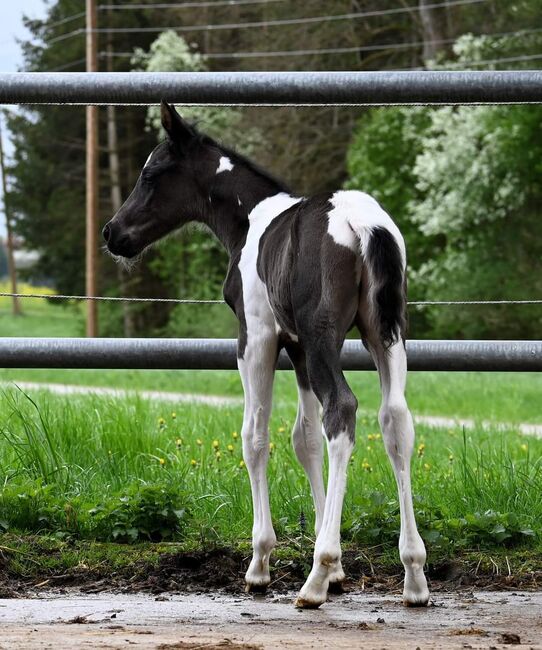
(162,461)
(525,447)
(241,464)
(235,435)
(179,442)
(230,448)
(271,447)
(281,429)
(199,442)
(193,462)
(216,444)
(366,466)
(427,466)
(161,421)
(421,449)
(174,416)
(451,458)
(218,455)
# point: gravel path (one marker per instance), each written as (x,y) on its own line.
(439,422)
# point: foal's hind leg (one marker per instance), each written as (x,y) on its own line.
(398,433)
(257,369)
(339,404)
(307,441)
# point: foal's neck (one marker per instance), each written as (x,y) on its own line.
(239,186)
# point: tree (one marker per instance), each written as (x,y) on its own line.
(464,185)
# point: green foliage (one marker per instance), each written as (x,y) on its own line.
(463,184)
(151,512)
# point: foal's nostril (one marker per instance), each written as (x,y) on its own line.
(106,232)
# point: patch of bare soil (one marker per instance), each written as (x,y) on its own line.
(478,620)
(222,570)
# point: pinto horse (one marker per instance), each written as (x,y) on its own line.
(302,273)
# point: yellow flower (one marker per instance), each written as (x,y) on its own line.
(241,464)
(179,442)
(235,435)
(162,461)
(427,466)
(161,422)
(451,458)
(373,436)
(271,447)
(421,449)
(216,444)
(218,455)
(366,466)
(525,447)
(193,462)
(281,429)
(173,416)
(199,442)
(369,448)
(230,448)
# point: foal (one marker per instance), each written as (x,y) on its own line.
(302,273)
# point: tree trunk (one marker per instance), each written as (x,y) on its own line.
(432,31)
(116,194)
(9,236)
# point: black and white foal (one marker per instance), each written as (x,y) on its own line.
(302,273)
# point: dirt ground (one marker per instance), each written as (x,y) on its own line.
(466,619)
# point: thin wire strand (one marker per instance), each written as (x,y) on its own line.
(268,23)
(182,301)
(353,49)
(186,5)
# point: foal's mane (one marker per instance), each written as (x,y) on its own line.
(239,158)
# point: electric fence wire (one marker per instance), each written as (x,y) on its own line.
(193,301)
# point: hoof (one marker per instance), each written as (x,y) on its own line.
(303,603)
(336,587)
(252,588)
(416,600)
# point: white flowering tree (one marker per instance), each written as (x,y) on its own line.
(468,189)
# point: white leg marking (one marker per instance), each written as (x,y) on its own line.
(398,434)
(257,369)
(307,440)
(308,445)
(327,551)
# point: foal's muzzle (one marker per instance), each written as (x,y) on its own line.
(117,242)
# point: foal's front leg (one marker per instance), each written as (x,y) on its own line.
(257,369)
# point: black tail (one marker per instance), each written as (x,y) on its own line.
(385,262)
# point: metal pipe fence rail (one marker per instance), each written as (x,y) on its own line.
(221,354)
(272,88)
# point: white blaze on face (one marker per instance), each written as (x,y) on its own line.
(224,165)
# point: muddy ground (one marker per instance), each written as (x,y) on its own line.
(465,619)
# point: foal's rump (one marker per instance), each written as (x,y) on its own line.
(334,261)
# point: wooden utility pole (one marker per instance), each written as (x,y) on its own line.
(114,180)
(9,234)
(92,177)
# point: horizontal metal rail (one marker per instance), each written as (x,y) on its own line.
(272,88)
(220,354)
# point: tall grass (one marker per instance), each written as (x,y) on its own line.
(89,466)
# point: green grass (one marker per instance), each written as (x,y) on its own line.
(89,467)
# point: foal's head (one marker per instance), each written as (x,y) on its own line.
(172,189)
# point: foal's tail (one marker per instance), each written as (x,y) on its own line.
(387,285)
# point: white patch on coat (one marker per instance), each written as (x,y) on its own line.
(224,165)
(353,217)
(148,159)
(258,314)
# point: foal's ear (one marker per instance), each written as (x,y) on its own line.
(176,128)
